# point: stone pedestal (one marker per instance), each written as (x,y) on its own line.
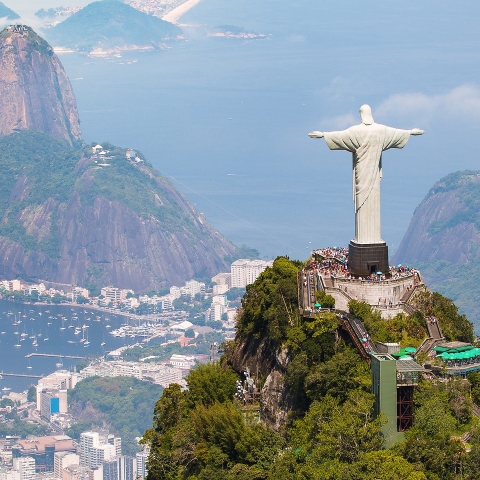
(364,259)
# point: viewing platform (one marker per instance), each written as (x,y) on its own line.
(389,292)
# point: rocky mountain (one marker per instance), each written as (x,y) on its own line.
(109,24)
(73,214)
(443,239)
(7,13)
(445,226)
(35,93)
(74,217)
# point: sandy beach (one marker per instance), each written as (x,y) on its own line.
(174,15)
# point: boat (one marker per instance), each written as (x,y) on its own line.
(3,333)
(16,333)
(29,367)
(6,389)
(45,339)
(86,344)
(77,331)
(17,345)
(108,326)
(102,344)
(72,341)
(58,364)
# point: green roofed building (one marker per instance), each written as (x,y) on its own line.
(393,383)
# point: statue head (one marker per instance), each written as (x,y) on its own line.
(366,115)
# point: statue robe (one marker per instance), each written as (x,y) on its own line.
(367,142)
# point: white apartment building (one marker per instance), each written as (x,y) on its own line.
(244,272)
(36,288)
(114,294)
(175,292)
(216,311)
(220,289)
(56,381)
(95,448)
(63,460)
(182,361)
(25,466)
(192,288)
(142,458)
(79,291)
(220,299)
(12,285)
(223,279)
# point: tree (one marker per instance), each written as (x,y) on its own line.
(81,299)
(209,384)
(32,394)
(331,431)
(381,464)
(189,333)
(338,376)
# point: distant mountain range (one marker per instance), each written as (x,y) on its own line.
(443,240)
(73,214)
(7,13)
(109,24)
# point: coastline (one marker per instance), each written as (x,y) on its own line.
(174,15)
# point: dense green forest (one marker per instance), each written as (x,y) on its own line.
(331,432)
(124,405)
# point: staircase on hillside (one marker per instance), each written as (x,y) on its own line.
(435,336)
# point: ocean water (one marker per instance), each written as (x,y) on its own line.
(49,325)
(226,120)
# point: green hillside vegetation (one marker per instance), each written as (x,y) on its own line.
(454,280)
(203,433)
(124,405)
(110,23)
(49,166)
(53,170)
(7,13)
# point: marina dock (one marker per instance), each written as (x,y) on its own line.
(30,355)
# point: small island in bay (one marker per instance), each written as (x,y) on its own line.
(232,31)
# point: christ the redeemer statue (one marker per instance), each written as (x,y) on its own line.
(367,141)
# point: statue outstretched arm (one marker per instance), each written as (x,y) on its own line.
(416,131)
(315,134)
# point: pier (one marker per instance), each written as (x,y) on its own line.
(30,355)
(19,375)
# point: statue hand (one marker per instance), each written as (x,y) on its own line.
(315,134)
(416,131)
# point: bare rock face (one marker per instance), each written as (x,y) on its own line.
(261,357)
(35,93)
(445,226)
